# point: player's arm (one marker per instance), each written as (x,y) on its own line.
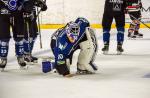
(60,60)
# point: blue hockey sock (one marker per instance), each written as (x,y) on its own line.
(120,34)
(19,48)
(106,36)
(28,46)
(137,27)
(4,45)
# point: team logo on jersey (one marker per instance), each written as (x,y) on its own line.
(117,4)
(12,5)
(117,7)
(62,47)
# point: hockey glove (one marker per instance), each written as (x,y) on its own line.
(41,4)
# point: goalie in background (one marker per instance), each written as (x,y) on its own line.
(65,41)
(134,11)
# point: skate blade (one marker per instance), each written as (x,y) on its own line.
(131,38)
(91,73)
(105,52)
(139,37)
(119,53)
(24,67)
(2,70)
(46,58)
(69,75)
(31,63)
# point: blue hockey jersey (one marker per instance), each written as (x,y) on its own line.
(64,48)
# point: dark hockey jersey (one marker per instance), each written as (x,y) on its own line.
(10,6)
(133,5)
(115,6)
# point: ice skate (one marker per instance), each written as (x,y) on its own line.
(29,59)
(105,49)
(131,36)
(119,49)
(138,35)
(3,62)
(21,63)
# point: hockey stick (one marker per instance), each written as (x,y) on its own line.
(39,29)
(140,21)
(38,12)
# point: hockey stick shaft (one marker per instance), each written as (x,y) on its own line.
(38,12)
(29,40)
(140,21)
(39,29)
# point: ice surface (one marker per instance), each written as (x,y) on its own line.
(119,76)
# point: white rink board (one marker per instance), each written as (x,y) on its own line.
(63,11)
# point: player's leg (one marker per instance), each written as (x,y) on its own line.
(4,45)
(137,27)
(4,39)
(29,42)
(120,23)
(18,34)
(84,64)
(106,23)
(132,27)
(133,31)
(87,54)
(136,32)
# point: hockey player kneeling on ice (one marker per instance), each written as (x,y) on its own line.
(65,41)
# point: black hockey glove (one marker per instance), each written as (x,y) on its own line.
(28,6)
(28,16)
(41,4)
